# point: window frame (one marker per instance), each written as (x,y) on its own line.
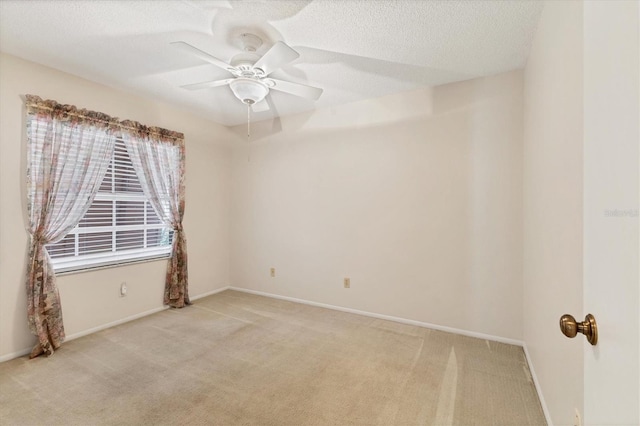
(83,262)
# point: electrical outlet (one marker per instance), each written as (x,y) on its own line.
(123,289)
(273,272)
(347,283)
(577,420)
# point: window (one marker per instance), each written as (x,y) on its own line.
(120,226)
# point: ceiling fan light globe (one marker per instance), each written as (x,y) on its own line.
(248,90)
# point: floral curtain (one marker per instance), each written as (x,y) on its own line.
(68,154)
(158,158)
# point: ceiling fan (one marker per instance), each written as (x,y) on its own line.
(251,82)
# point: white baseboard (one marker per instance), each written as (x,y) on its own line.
(18,354)
(387,317)
(92,330)
(113,323)
(137,316)
(88,331)
(209,293)
(545,409)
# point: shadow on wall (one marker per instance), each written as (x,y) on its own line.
(391,109)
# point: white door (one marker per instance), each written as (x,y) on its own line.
(611,193)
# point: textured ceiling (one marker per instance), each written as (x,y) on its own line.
(352,49)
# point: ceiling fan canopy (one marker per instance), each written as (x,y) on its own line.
(251,82)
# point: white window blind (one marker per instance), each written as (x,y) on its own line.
(120,226)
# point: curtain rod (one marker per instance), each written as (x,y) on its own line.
(118,122)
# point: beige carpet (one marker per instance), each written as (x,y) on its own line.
(240,359)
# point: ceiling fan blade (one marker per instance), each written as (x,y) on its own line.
(279,55)
(186,47)
(207,84)
(261,106)
(297,89)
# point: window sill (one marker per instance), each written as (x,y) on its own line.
(69,270)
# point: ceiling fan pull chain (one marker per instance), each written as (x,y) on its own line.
(248,129)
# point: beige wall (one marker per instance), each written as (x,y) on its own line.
(91,299)
(416,197)
(553,186)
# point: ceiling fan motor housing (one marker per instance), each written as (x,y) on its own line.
(243,65)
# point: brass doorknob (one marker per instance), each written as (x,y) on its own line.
(588,327)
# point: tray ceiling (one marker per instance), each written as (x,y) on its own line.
(352,49)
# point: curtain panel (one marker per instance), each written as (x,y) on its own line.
(68,152)
(158,157)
